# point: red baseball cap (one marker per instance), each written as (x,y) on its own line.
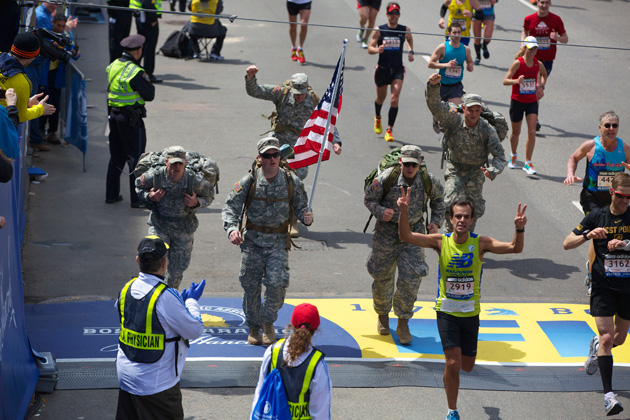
(393,7)
(303,314)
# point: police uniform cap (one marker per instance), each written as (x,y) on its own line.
(411,153)
(151,248)
(176,154)
(305,315)
(132,42)
(299,84)
(472,99)
(268,143)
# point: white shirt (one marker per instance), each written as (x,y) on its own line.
(176,318)
(321,386)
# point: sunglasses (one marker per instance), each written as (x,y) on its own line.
(270,155)
(410,165)
(620,195)
(608,125)
(395,12)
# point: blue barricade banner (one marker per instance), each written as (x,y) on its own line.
(18,372)
(76,124)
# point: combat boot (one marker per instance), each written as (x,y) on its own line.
(254,337)
(383,325)
(269,334)
(294,229)
(403,331)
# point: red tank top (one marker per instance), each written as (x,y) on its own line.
(525,92)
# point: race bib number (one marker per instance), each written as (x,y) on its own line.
(460,287)
(543,43)
(617,265)
(604,180)
(449,305)
(392,43)
(462,23)
(453,72)
(528,86)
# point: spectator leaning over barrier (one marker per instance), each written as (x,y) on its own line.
(9,147)
(23,51)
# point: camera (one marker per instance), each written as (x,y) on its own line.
(51,51)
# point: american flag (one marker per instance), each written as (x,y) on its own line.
(309,144)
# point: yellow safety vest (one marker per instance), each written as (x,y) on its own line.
(137,4)
(120,92)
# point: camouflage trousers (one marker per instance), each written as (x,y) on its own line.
(389,253)
(268,267)
(179,252)
(463,182)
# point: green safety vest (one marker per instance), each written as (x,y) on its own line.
(141,336)
(120,93)
(297,378)
(137,4)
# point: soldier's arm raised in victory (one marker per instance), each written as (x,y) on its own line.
(440,110)
(266,92)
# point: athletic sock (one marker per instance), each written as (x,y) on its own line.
(393,112)
(606,370)
(478,50)
(377,109)
(484,44)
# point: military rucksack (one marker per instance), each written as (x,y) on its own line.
(390,160)
(276,125)
(494,118)
(195,163)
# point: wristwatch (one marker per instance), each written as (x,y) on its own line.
(586,233)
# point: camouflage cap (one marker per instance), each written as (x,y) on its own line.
(411,153)
(176,154)
(268,143)
(299,84)
(132,42)
(472,99)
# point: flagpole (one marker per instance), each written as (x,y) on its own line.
(327,129)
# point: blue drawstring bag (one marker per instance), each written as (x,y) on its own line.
(272,401)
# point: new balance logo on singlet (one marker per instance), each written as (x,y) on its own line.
(461,260)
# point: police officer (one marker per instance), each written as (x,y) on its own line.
(267,198)
(175,193)
(147,26)
(154,335)
(387,250)
(468,140)
(128,89)
(119,27)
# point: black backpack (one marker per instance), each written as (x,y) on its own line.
(177,45)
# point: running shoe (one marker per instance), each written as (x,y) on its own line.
(477,61)
(512,162)
(294,54)
(529,168)
(538,127)
(301,58)
(452,415)
(590,364)
(388,135)
(588,282)
(364,44)
(611,405)
(214,56)
(436,126)
(378,128)
(359,36)
(486,53)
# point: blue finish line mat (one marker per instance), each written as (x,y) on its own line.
(540,338)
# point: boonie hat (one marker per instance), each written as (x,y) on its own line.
(531,42)
(393,7)
(411,153)
(132,42)
(25,45)
(176,154)
(472,99)
(305,315)
(268,143)
(299,84)
(151,248)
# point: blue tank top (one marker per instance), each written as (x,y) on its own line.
(451,76)
(394,40)
(603,166)
(486,7)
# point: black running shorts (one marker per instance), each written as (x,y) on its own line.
(458,331)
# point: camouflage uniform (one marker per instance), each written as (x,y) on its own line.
(171,219)
(292,115)
(264,257)
(388,252)
(467,150)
